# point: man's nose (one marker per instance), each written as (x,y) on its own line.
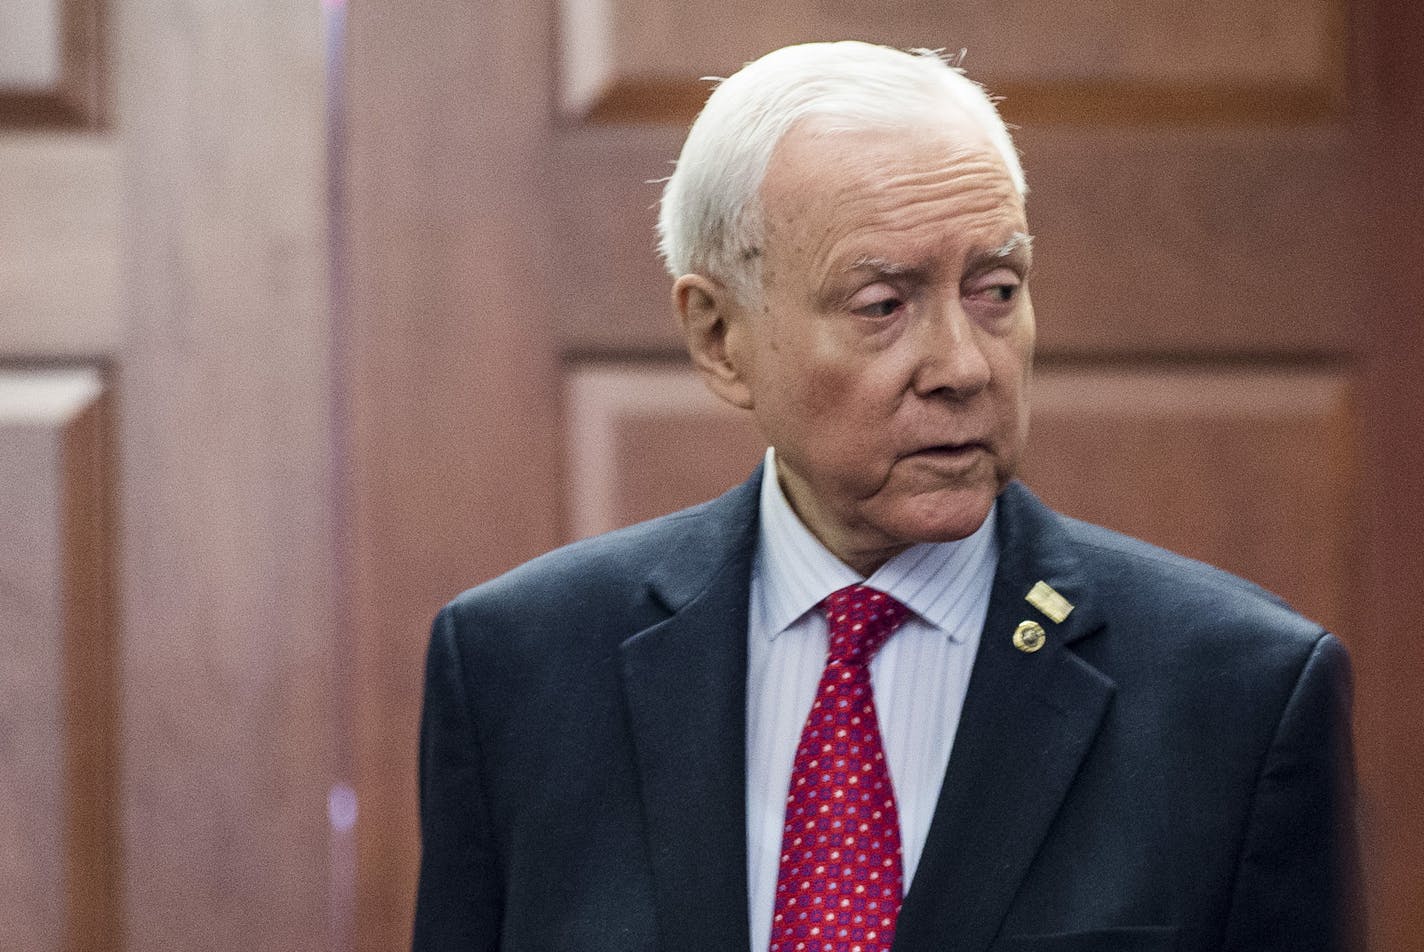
(951,360)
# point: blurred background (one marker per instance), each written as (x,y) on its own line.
(313,315)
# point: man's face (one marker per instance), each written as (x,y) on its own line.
(888,360)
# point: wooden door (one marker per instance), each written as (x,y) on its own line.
(1210,341)
(167,733)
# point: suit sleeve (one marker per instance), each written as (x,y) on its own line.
(1297,882)
(458,902)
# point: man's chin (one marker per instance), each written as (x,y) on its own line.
(944,515)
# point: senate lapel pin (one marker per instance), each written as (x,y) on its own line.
(1029,636)
(1045,599)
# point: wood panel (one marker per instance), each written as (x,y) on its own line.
(640,60)
(1250,468)
(1149,240)
(643,441)
(454,396)
(29,44)
(1152,241)
(53,69)
(60,256)
(1389,669)
(229,655)
(58,769)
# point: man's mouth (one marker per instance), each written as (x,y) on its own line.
(951,451)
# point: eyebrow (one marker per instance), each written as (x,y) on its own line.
(879,265)
(1019,245)
(1017,240)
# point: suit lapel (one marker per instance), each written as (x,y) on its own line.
(1028,720)
(684,680)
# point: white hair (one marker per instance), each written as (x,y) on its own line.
(709,220)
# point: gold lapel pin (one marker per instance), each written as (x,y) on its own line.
(1029,636)
(1043,597)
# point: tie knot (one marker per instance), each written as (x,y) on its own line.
(861,620)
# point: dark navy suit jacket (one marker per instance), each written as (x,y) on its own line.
(1170,771)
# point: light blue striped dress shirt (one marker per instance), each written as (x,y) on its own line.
(919,677)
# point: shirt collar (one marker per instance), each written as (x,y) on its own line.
(931,579)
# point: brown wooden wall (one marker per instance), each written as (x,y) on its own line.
(59,824)
(1208,255)
(167,480)
(289,356)
(1390,670)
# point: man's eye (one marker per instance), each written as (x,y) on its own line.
(881,308)
(998,288)
(876,301)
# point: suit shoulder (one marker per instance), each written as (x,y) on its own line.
(607,560)
(613,584)
(1171,590)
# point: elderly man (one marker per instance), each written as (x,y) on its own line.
(878,695)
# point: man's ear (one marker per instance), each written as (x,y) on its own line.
(716,330)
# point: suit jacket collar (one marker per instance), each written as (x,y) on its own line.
(1028,721)
(685,681)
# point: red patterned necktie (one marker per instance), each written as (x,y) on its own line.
(839,886)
